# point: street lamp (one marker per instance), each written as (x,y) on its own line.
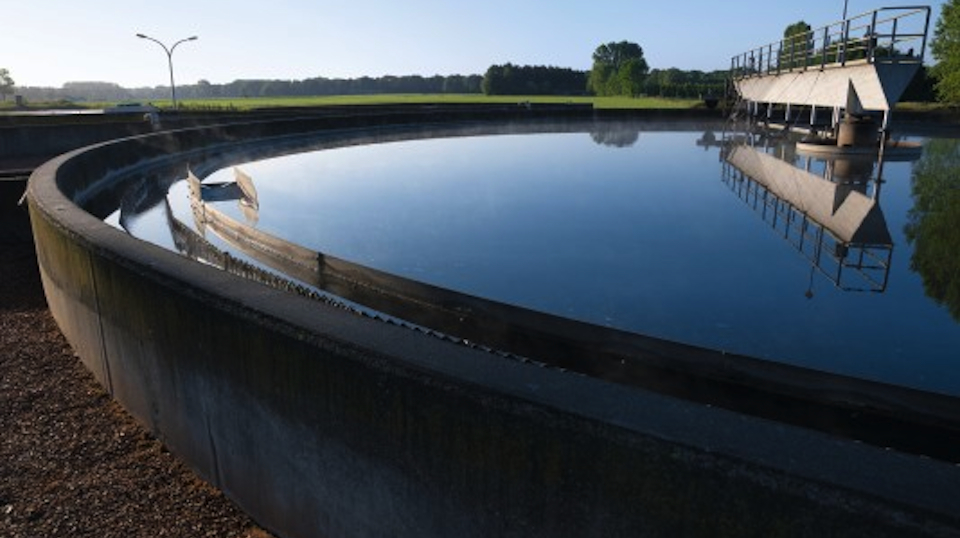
(169,51)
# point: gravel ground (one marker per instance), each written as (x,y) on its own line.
(73,463)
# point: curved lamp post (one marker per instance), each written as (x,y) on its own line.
(169,51)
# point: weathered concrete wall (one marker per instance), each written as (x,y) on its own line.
(14,219)
(25,141)
(319,422)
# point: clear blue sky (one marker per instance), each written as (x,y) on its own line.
(67,40)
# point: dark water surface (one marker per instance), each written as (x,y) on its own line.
(654,232)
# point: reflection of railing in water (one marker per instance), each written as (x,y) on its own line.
(195,246)
(849,245)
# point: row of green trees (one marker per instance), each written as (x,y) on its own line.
(619,69)
(107,91)
(509,79)
(694,84)
(335,86)
(506,79)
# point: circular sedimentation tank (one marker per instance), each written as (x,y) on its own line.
(316,420)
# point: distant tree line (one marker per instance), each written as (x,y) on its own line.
(509,79)
(108,91)
(505,79)
(335,86)
(679,83)
(619,69)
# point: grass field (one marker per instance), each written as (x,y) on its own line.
(247,103)
(599,102)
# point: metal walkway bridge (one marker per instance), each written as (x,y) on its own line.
(859,65)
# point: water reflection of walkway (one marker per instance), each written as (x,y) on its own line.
(831,219)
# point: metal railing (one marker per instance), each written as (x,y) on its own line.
(884,35)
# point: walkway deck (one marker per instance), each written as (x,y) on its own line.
(863,63)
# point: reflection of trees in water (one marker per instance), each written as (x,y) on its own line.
(618,135)
(709,140)
(934,222)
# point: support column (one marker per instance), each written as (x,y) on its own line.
(884,135)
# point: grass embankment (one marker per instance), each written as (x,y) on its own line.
(917,106)
(248,103)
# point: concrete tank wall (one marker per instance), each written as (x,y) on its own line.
(25,141)
(320,422)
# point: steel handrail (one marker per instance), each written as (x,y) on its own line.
(883,34)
